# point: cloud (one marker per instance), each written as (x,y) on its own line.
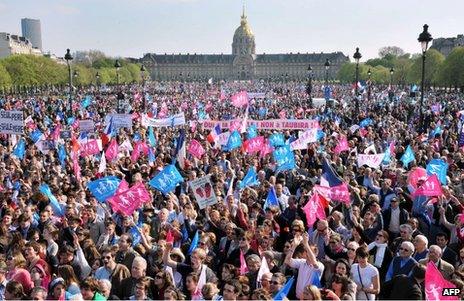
(66,9)
(3,7)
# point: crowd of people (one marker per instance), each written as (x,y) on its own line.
(244,247)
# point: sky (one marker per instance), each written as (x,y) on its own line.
(131,28)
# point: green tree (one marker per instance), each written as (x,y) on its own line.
(433,61)
(402,66)
(84,75)
(391,50)
(5,78)
(347,72)
(134,70)
(452,69)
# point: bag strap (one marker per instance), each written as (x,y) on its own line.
(360,280)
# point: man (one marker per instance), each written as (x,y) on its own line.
(393,217)
(320,236)
(435,256)
(127,287)
(159,223)
(125,254)
(96,228)
(404,287)
(37,267)
(25,226)
(405,235)
(38,293)
(448,254)
(66,255)
(403,263)
(115,272)
(421,243)
(141,289)
(281,197)
(231,290)
(3,281)
(306,263)
(244,248)
(253,263)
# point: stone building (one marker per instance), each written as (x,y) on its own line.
(242,64)
(14,44)
(446,45)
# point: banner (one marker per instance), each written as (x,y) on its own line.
(254,145)
(336,193)
(92,147)
(239,99)
(119,121)
(203,191)
(167,179)
(196,149)
(438,167)
(284,157)
(277,139)
(435,285)
(11,122)
(256,95)
(174,120)
(373,161)
(87,125)
(103,188)
(272,124)
(431,187)
(314,209)
(306,137)
(130,200)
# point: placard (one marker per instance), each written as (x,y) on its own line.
(11,122)
(203,191)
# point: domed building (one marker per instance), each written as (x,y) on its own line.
(242,64)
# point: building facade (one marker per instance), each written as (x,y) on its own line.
(14,44)
(446,45)
(32,31)
(242,64)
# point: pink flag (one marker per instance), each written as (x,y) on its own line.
(267,148)
(340,193)
(431,187)
(235,125)
(392,148)
(112,150)
(138,148)
(342,145)
(314,209)
(362,132)
(240,99)
(196,149)
(169,236)
(56,132)
(76,166)
(435,283)
(90,148)
(130,200)
(415,175)
(243,265)
(254,145)
(75,124)
(283,114)
(123,186)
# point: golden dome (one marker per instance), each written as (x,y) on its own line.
(244,29)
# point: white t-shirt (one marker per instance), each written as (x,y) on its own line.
(367,274)
(305,274)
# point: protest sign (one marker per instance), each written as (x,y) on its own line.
(11,122)
(271,124)
(174,120)
(119,121)
(203,191)
(86,125)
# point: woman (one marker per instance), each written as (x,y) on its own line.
(209,291)
(17,243)
(70,279)
(380,254)
(16,264)
(229,272)
(365,275)
(14,291)
(342,269)
(173,294)
(340,286)
(57,290)
(50,234)
(162,281)
(95,265)
(89,290)
(190,290)
(311,292)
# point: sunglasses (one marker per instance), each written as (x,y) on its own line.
(274,282)
(332,242)
(107,257)
(379,235)
(159,277)
(321,230)
(297,230)
(404,249)
(351,249)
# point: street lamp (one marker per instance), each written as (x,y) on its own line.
(97,76)
(424,38)
(117,65)
(68,57)
(391,93)
(369,73)
(142,71)
(75,75)
(309,86)
(357,56)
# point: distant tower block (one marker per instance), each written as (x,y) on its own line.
(32,31)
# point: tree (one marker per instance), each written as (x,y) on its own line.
(5,78)
(452,69)
(390,50)
(347,72)
(432,65)
(402,66)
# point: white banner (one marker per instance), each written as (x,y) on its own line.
(87,125)
(256,95)
(272,124)
(11,122)
(306,137)
(223,138)
(119,120)
(203,191)
(373,161)
(178,119)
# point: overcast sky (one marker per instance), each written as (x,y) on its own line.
(134,27)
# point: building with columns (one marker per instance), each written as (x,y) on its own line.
(242,64)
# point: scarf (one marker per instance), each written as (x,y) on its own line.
(380,252)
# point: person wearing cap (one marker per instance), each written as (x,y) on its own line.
(57,289)
(3,281)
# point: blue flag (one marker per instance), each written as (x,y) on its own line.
(151,137)
(252,131)
(284,158)
(70,120)
(387,158)
(136,235)
(282,294)
(20,149)
(136,137)
(320,134)
(109,128)
(408,156)
(438,167)
(167,179)
(436,131)
(36,135)
(86,102)
(327,93)
(151,156)
(250,179)
(194,243)
(104,188)
(234,141)
(277,139)
(271,199)
(61,154)
(53,201)
(315,279)
(330,175)
(366,122)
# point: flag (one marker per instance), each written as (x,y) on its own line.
(53,200)
(431,187)
(370,148)
(254,145)
(435,283)
(86,102)
(316,279)
(104,188)
(213,135)
(194,243)
(234,141)
(243,265)
(112,151)
(263,269)
(277,139)
(342,145)
(166,180)
(196,149)
(20,149)
(329,176)
(136,235)
(151,137)
(282,294)
(250,179)
(438,167)
(271,199)
(284,157)
(110,128)
(239,99)
(61,154)
(151,157)
(252,131)
(366,122)
(180,153)
(314,209)
(408,156)
(102,166)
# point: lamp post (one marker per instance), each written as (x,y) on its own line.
(391,93)
(309,86)
(424,38)
(369,73)
(97,76)
(68,57)
(142,71)
(75,75)
(357,56)
(117,65)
